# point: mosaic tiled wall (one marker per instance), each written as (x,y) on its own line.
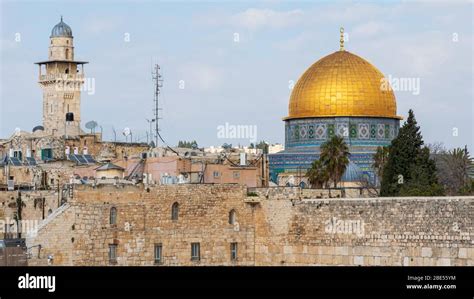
(303,137)
(356,131)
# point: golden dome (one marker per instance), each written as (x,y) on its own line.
(341,84)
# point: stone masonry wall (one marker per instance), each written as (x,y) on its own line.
(32,209)
(143,220)
(337,231)
(380,231)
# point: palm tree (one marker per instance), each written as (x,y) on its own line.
(380,158)
(335,155)
(318,175)
(455,168)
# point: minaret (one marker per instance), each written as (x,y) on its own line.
(61,81)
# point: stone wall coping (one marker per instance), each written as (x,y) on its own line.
(373,199)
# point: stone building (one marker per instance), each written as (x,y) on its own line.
(61,78)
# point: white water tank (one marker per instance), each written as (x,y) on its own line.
(243,159)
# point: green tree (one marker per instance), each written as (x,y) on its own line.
(187,144)
(454,167)
(318,175)
(380,159)
(263,146)
(409,165)
(335,156)
(424,180)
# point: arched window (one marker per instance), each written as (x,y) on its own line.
(66,71)
(174,211)
(50,212)
(113,215)
(232,217)
(67,53)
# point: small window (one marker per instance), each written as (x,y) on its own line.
(175,211)
(18,154)
(158,251)
(113,253)
(236,175)
(233,251)
(195,251)
(232,217)
(113,216)
(50,212)
(216,174)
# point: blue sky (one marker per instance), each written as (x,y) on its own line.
(241,83)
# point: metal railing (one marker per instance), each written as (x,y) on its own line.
(52,77)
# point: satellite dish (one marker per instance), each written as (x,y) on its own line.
(126,132)
(38,128)
(91,125)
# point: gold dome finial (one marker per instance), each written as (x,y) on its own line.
(342,39)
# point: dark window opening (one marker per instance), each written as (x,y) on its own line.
(174,211)
(113,216)
(232,217)
(233,251)
(113,253)
(158,252)
(195,251)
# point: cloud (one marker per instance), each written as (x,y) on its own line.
(369,29)
(254,18)
(99,25)
(7,44)
(200,76)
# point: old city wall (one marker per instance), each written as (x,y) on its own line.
(143,220)
(372,231)
(32,207)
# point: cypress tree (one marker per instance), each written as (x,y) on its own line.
(409,169)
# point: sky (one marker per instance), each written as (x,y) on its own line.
(234,62)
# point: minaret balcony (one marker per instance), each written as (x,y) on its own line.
(61,77)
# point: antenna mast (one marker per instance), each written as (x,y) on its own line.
(157,78)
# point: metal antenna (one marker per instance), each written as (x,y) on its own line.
(157,78)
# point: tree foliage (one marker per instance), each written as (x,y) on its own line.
(332,163)
(188,144)
(409,170)
(453,168)
(318,175)
(380,159)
